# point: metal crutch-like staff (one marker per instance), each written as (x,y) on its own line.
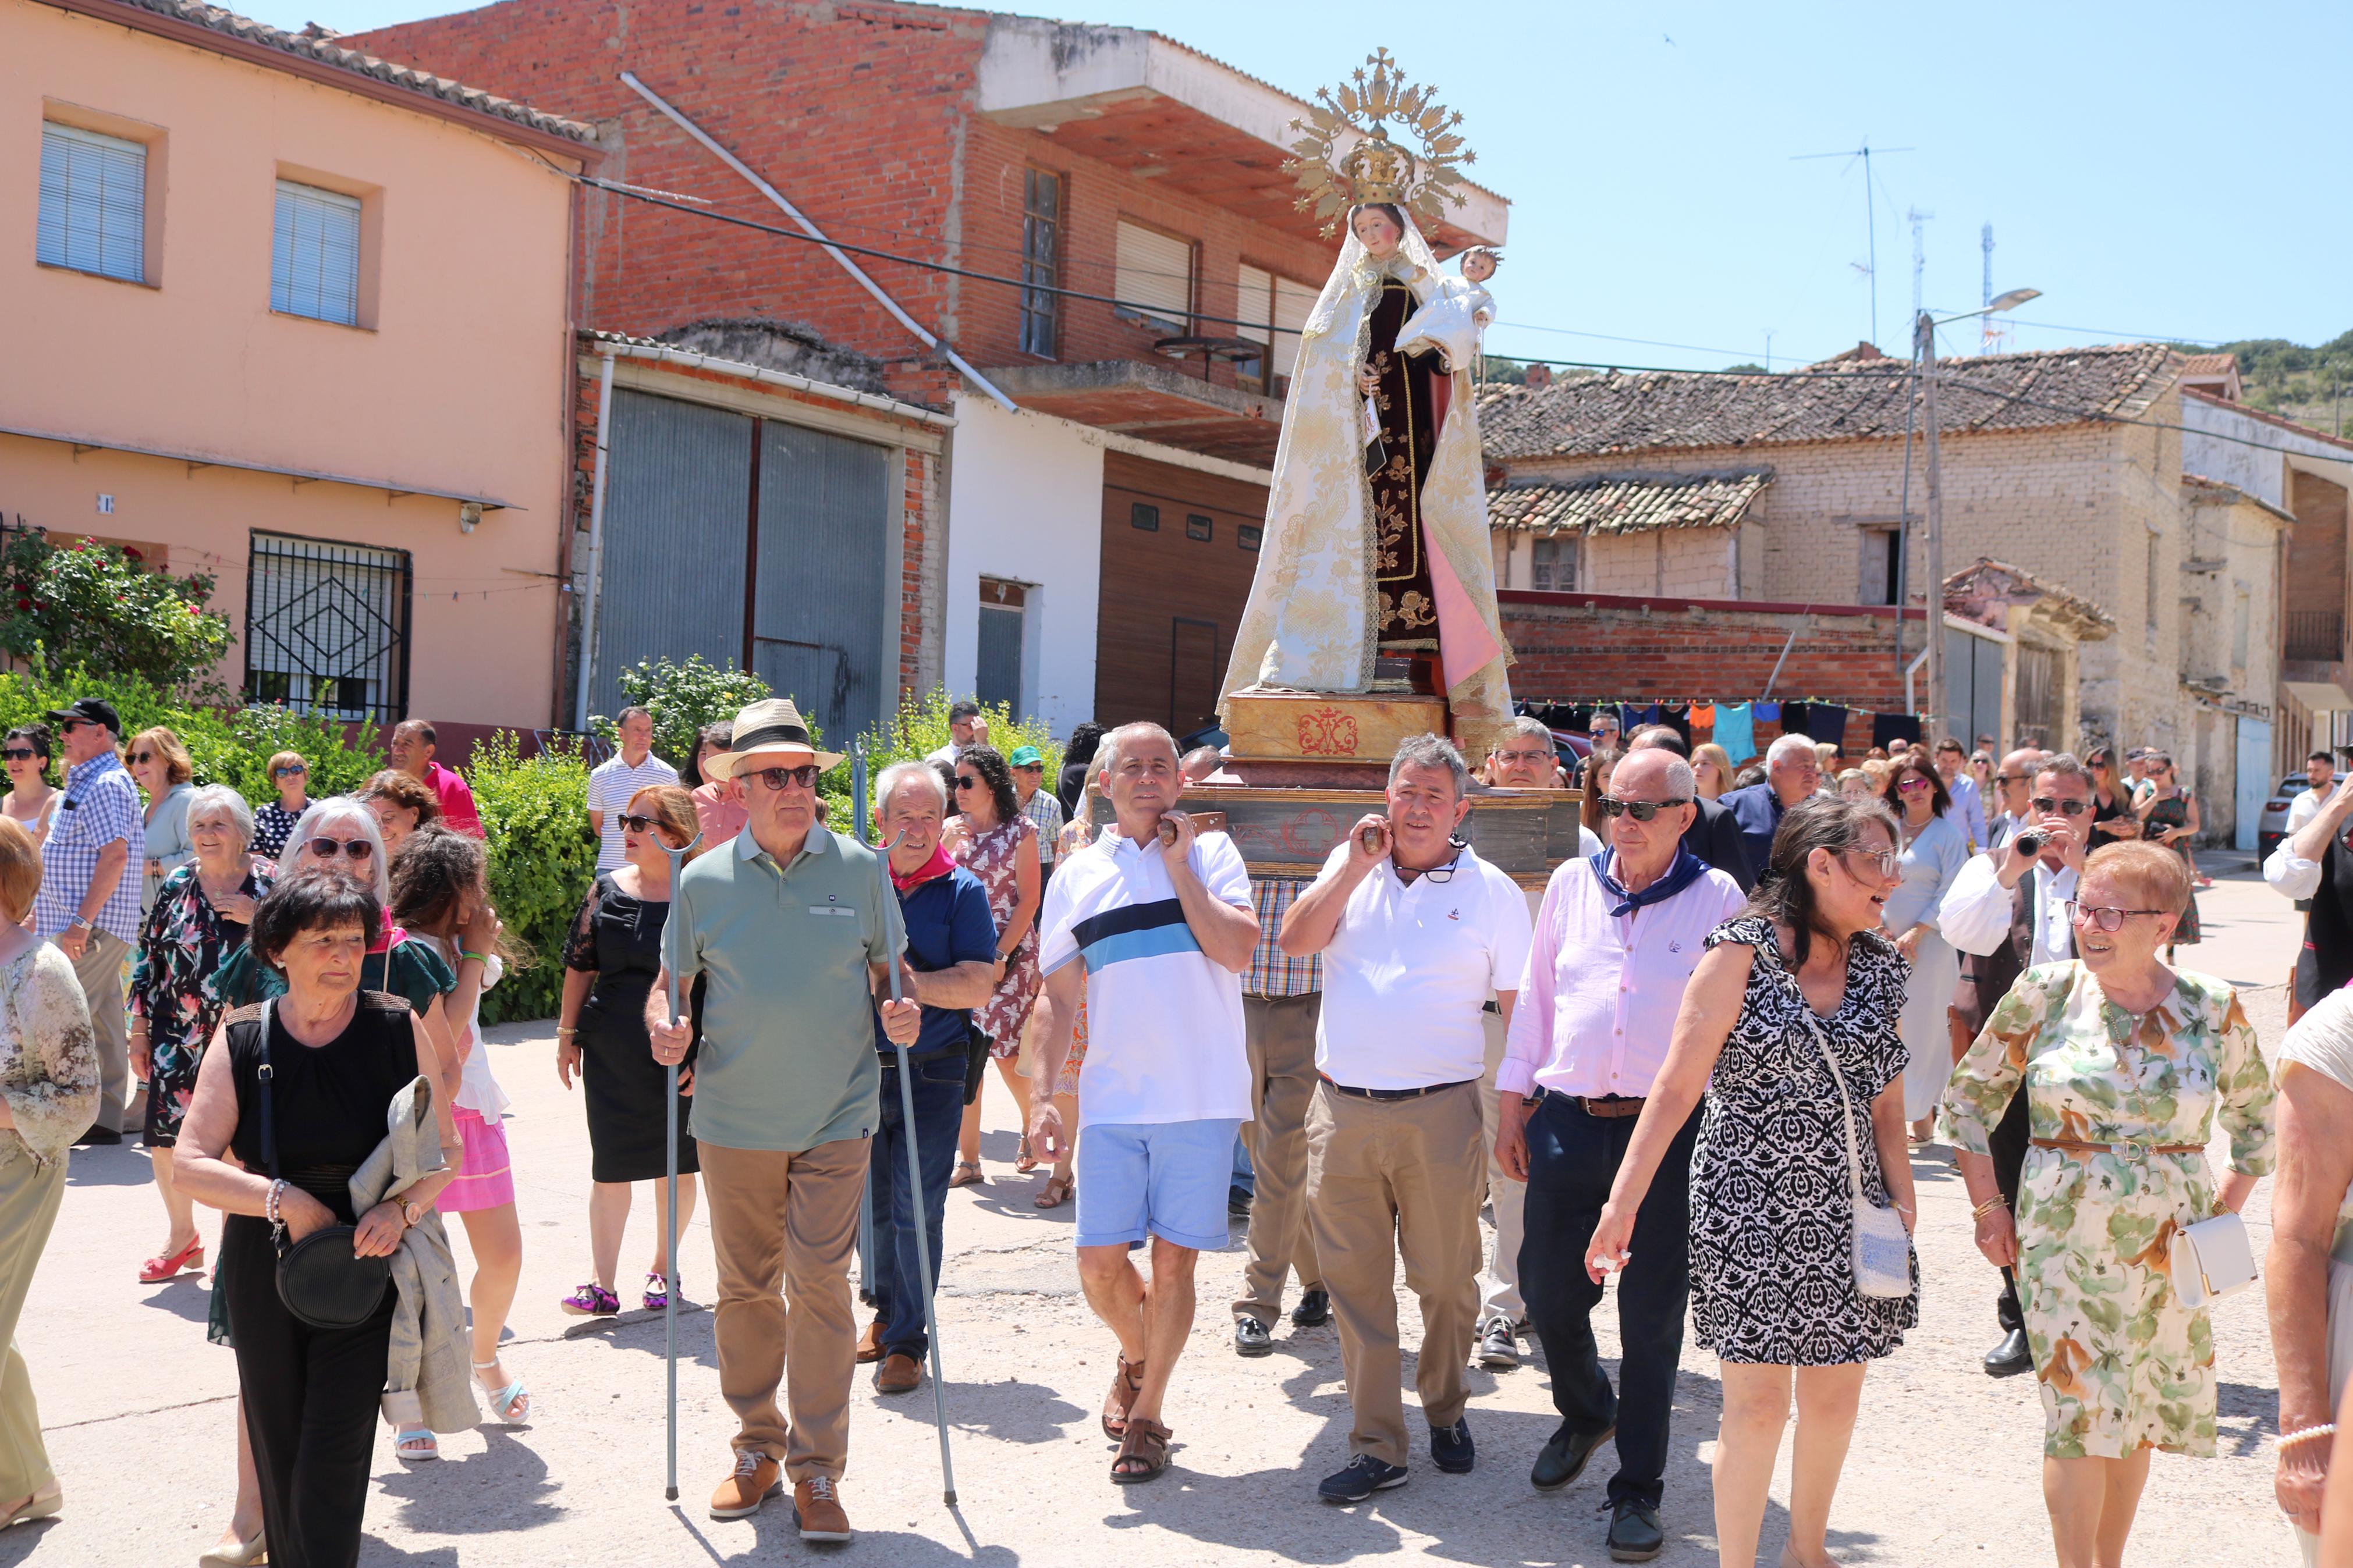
(670,1125)
(907,1120)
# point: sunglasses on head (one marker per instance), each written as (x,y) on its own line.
(1640,810)
(327,848)
(803,775)
(2046,805)
(19,754)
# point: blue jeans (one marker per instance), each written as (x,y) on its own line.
(1572,1158)
(897,1281)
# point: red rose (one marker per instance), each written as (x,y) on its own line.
(130,554)
(24,604)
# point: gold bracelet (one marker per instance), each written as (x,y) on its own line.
(563,1029)
(1988,1207)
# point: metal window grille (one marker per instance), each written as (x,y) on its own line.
(1041,239)
(326,627)
(93,204)
(314,254)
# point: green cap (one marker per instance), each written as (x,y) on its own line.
(1025,757)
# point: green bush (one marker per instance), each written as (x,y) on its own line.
(682,699)
(97,605)
(542,860)
(231,747)
(921,728)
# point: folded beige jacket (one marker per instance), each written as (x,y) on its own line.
(428,1382)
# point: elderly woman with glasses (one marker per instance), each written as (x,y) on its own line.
(1933,851)
(201,915)
(2126,1065)
(290,775)
(992,839)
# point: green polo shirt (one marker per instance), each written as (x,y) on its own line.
(787,1058)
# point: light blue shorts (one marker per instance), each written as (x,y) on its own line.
(1164,1178)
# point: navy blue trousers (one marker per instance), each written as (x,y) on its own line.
(897,1282)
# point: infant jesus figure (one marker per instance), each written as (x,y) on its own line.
(1453,320)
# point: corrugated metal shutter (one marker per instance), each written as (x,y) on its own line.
(677,514)
(821,619)
(1155,275)
(93,207)
(314,254)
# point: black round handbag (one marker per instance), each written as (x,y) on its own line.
(319,1279)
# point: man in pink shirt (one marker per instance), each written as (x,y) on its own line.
(1616,940)
(412,753)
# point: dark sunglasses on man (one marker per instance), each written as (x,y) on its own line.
(2049,805)
(1640,810)
(776,779)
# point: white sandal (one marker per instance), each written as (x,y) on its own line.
(503,1400)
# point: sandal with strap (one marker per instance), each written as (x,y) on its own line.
(416,1443)
(1054,1193)
(1025,1162)
(504,1401)
(160,1267)
(1126,1383)
(591,1300)
(1146,1447)
(967,1173)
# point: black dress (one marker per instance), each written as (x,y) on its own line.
(311,1394)
(1772,1224)
(620,938)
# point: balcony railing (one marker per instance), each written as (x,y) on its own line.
(2316,636)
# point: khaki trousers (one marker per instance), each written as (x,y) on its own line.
(1500,1293)
(1280,1034)
(789,1219)
(101,973)
(29,1198)
(1386,1177)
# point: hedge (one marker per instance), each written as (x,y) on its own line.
(542,861)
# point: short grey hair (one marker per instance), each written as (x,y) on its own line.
(1790,746)
(1533,728)
(2063,764)
(887,783)
(1431,752)
(1114,744)
(221,798)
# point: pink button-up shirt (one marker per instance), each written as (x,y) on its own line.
(458,813)
(1597,1006)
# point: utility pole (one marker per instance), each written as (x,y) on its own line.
(1923,349)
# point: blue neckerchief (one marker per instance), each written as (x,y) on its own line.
(1687,868)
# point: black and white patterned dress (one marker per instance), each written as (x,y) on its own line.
(1772,1226)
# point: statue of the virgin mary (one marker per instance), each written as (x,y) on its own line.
(1376,541)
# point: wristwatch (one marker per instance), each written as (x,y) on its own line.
(412,1213)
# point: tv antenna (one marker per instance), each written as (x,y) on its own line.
(1870,213)
(1919,222)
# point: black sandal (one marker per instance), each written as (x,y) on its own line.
(1122,1396)
(1146,1444)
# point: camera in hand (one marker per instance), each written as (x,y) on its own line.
(2030,842)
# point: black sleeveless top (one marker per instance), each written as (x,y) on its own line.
(330,1103)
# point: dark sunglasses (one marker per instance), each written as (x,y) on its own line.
(297,771)
(2107,917)
(632,822)
(142,756)
(1640,810)
(325,849)
(803,775)
(69,726)
(2046,805)
(964,783)
(19,754)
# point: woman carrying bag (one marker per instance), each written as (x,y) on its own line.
(301,1085)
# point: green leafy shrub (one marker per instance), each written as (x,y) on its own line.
(682,699)
(229,746)
(542,860)
(98,607)
(921,728)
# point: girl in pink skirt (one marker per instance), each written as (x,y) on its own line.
(439,894)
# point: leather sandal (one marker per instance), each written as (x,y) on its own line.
(967,1173)
(1025,1162)
(1147,1447)
(158,1268)
(1122,1396)
(1055,1193)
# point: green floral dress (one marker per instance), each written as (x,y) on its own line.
(2122,1362)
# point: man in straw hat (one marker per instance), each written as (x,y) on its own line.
(785,924)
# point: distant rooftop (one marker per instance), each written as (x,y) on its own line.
(1633,503)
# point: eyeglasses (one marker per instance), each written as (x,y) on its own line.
(632,822)
(2011,779)
(1911,782)
(296,771)
(964,783)
(776,779)
(1883,861)
(1640,810)
(2046,805)
(142,756)
(2107,917)
(327,848)
(19,754)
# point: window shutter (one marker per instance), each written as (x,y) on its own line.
(314,254)
(1293,303)
(93,210)
(1155,276)
(1254,302)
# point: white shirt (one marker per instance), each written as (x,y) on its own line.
(1975,913)
(2291,876)
(946,754)
(2307,806)
(611,784)
(1164,1023)
(1410,970)
(478,1090)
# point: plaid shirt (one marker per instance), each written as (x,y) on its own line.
(1273,971)
(1045,813)
(102,805)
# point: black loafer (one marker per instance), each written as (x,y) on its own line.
(1634,1532)
(2010,1357)
(1315,1309)
(99,1137)
(1250,1338)
(1564,1458)
(1451,1448)
(1363,1477)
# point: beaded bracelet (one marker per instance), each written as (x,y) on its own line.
(1988,1207)
(269,1205)
(2289,1440)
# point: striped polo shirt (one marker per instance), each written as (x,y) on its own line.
(1164,1023)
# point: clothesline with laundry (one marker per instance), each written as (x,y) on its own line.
(1732,725)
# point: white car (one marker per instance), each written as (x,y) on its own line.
(2272,826)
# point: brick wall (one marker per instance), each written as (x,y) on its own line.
(1574,647)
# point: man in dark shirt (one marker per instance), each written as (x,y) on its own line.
(1714,836)
(951,968)
(1793,772)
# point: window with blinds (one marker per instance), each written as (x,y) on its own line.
(1273,311)
(93,212)
(1154,277)
(314,255)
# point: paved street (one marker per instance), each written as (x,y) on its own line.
(1945,1467)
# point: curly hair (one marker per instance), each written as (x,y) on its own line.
(989,763)
(436,870)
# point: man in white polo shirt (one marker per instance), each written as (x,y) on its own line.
(615,781)
(1154,940)
(1417,933)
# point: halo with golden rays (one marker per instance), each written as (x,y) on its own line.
(1347,154)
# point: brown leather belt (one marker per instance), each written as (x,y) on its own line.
(2121,1151)
(1386,1094)
(1609,1107)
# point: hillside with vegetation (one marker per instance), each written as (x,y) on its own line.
(2309,385)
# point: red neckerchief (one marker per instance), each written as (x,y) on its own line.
(388,937)
(939,865)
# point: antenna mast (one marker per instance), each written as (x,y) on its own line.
(1918,220)
(1870,266)
(1990,337)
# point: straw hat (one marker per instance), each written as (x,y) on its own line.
(768,735)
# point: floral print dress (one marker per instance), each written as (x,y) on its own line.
(180,948)
(990,856)
(2122,1362)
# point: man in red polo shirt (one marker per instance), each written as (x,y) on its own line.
(412,754)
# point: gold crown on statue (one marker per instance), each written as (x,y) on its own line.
(1352,122)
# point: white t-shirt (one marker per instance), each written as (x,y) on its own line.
(478,1090)
(611,784)
(1164,1024)
(1408,973)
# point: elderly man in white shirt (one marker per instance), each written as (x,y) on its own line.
(1416,932)
(2010,907)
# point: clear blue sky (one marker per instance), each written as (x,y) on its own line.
(2163,170)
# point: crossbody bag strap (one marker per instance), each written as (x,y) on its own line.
(1846,1104)
(264,1073)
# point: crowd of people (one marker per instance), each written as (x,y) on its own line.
(1702,1058)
